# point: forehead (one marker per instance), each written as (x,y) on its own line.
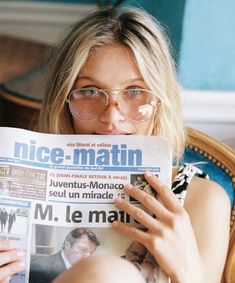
(82,238)
(111,62)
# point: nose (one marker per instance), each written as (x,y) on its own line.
(112,112)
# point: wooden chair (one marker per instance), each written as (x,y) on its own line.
(220,166)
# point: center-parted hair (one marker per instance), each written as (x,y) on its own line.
(140,32)
(77,233)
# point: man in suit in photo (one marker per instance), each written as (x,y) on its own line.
(11,220)
(3,218)
(78,244)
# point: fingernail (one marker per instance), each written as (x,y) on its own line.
(118,200)
(11,245)
(21,265)
(114,224)
(148,174)
(127,188)
(20,253)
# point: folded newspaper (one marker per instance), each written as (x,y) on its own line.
(57,194)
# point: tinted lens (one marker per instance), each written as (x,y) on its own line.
(87,104)
(138,105)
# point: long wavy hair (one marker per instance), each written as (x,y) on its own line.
(145,37)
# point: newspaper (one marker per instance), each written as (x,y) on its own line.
(55,185)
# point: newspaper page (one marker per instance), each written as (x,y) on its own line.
(57,197)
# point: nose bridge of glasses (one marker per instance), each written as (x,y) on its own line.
(112,96)
(112,111)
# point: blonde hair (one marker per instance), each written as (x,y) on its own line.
(139,31)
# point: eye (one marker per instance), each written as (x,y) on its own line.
(134,91)
(89,92)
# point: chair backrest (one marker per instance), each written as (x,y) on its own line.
(218,161)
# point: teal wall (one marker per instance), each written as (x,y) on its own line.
(207,57)
(170,13)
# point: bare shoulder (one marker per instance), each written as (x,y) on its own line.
(208,207)
(206,197)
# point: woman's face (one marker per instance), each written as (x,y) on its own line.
(111,67)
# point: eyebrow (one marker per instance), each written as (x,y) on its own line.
(92,79)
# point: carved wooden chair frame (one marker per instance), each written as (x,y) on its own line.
(224,158)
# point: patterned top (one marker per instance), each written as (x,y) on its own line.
(184,176)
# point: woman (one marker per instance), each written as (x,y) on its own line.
(113,74)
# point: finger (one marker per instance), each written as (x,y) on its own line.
(10,269)
(6,280)
(10,256)
(164,193)
(131,232)
(138,214)
(6,245)
(148,201)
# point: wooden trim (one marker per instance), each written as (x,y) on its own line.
(21,101)
(229,271)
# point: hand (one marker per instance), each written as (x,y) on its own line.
(10,260)
(147,271)
(169,237)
